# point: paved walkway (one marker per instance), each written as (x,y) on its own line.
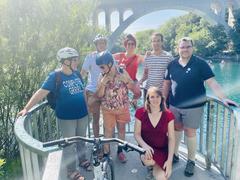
(134,170)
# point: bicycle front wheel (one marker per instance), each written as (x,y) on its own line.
(108,170)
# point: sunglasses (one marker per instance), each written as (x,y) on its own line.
(102,67)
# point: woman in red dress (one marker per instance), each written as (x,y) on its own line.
(154,132)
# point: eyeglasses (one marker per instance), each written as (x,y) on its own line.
(184,47)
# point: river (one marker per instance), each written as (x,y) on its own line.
(228,76)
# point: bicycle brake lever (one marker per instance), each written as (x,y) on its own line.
(129,149)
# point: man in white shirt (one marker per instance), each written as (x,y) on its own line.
(92,71)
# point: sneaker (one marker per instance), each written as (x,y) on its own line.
(175,159)
(122,158)
(189,170)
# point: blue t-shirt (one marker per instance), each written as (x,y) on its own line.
(70,102)
(187,83)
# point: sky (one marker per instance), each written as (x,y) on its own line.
(153,20)
(150,21)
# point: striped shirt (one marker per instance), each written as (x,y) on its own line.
(157,66)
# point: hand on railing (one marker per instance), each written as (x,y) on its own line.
(229,102)
(23,112)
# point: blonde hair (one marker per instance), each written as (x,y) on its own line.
(186,39)
(147,102)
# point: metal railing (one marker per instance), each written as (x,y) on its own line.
(218,136)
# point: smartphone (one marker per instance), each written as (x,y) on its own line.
(120,69)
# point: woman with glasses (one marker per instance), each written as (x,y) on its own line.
(129,59)
(113,89)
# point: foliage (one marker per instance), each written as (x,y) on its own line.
(2,162)
(11,169)
(31,32)
(208,39)
(235,32)
(144,40)
(118,45)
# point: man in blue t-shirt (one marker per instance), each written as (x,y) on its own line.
(185,76)
(71,110)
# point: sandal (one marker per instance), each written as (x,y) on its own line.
(75,175)
(85,164)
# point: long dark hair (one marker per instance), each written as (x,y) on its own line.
(147,102)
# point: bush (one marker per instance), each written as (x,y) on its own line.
(2,162)
(30,35)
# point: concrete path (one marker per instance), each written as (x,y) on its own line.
(134,170)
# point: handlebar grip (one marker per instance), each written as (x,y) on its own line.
(136,148)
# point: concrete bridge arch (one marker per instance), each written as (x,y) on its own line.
(213,11)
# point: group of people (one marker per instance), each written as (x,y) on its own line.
(158,128)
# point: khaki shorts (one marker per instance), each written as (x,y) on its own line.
(190,118)
(93,102)
(111,117)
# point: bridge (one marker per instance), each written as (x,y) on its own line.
(218,148)
(128,11)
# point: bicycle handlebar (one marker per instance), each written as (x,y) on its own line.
(75,139)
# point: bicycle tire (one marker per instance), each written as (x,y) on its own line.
(108,168)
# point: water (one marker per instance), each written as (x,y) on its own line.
(227,75)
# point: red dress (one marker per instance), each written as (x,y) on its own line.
(131,63)
(156,137)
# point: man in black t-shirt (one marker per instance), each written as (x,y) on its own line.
(185,76)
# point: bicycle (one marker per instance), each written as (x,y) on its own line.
(103,169)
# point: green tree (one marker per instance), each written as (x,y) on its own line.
(144,40)
(31,32)
(235,32)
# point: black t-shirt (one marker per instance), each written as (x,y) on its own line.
(187,83)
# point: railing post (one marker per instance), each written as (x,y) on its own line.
(23,163)
(210,112)
(53,166)
(224,153)
(235,173)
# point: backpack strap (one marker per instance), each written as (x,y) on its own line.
(58,82)
(80,77)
